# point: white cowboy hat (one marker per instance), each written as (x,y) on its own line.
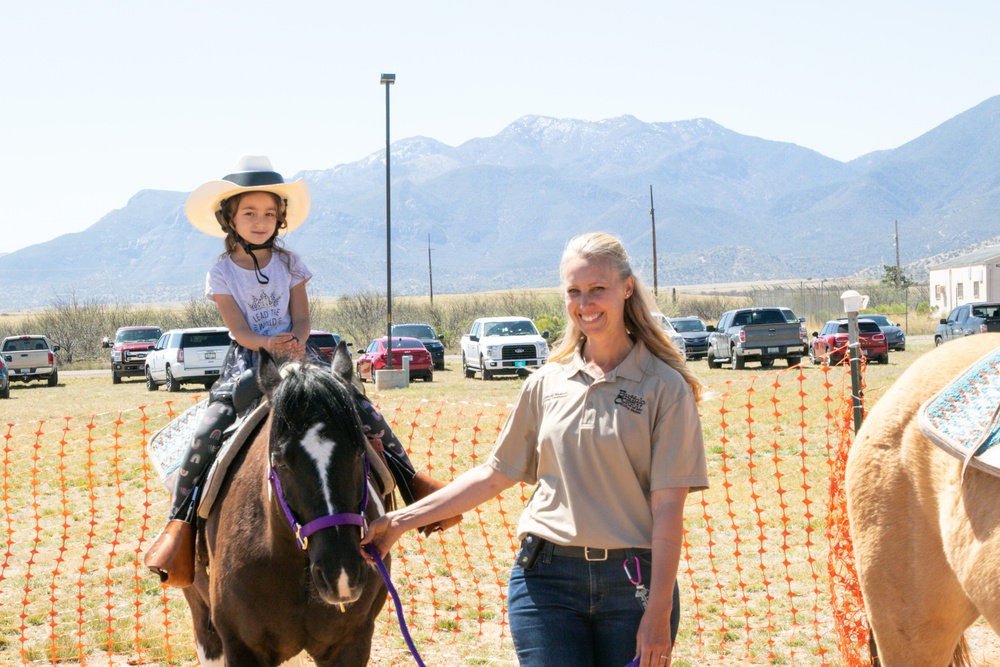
(251,173)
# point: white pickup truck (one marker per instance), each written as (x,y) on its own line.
(30,358)
(498,345)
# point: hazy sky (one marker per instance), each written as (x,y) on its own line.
(103,99)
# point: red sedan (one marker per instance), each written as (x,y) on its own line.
(374,358)
(831,343)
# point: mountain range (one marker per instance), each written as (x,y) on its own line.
(495,213)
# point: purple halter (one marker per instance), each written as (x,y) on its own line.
(302,533)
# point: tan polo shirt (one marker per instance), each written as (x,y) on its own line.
(596,448)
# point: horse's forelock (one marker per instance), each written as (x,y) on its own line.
(304,379)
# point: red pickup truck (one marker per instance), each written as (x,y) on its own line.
(129,350)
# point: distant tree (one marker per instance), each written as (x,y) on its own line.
(893,275)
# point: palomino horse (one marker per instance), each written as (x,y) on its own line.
(262,595)
(926,542)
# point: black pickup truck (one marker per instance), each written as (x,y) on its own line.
(972,318)
(757,334)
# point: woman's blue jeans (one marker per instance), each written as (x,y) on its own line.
(572,612)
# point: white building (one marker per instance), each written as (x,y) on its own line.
(971,277)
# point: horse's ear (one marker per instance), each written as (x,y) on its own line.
(341,363)
(267,374)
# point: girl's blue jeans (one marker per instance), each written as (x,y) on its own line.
(572,612)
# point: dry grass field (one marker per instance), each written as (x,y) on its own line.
(78,506)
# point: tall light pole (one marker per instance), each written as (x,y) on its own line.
(388,80)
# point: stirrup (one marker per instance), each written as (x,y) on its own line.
(171,557)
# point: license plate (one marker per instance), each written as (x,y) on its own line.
(864,353)
(210,355)
(774,350)
(520,364)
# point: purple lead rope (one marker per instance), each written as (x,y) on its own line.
(395,599)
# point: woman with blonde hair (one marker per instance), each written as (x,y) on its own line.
(609,432)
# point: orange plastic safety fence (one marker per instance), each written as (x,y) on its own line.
(766,573)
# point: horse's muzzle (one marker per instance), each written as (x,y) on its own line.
(338,585)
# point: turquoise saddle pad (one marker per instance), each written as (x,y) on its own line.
(962,418)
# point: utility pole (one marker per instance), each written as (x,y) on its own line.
(898,277)
(430,272)
(652,216)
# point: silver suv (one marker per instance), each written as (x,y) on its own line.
(187,356)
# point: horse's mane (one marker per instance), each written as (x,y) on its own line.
(305,387)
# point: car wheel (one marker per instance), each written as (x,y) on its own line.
(766,363)
(150,383)
(429,377)
(5,392)
(736,361)
(172,383)
(712,363)
(54,378)
(793,361)
(487,375)
(115,378)
(884,359)
(469,373)
(813,359)
(937,341)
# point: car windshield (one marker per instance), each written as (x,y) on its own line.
(990,312)
(864,326)
(413,331)
(404,344)
(208,339)
(687,326)
(24,345)
(324,340)
(880,320)
(139,336)
(518,328)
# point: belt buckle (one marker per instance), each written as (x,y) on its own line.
(586,555)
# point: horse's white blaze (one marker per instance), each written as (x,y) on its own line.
(293,662)
(320,449)
(344,586)
(206,662)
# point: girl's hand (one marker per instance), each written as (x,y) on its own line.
(382,534)
(286,345)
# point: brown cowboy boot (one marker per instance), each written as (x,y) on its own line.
(424,485)
(172,554)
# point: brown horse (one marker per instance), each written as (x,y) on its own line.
(261,596)
(926,543)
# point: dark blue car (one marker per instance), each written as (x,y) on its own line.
(893,334)
(692,329)
(425,334)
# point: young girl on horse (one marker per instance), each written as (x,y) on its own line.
(259,288)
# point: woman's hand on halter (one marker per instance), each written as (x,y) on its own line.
(382,534)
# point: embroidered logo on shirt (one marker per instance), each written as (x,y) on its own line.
(630,402)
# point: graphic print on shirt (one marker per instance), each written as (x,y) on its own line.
(264,311)
(630,402)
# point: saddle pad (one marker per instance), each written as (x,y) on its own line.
(166,447)
(962,418)
(232,446)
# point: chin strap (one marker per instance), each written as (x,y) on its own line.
(248,248)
